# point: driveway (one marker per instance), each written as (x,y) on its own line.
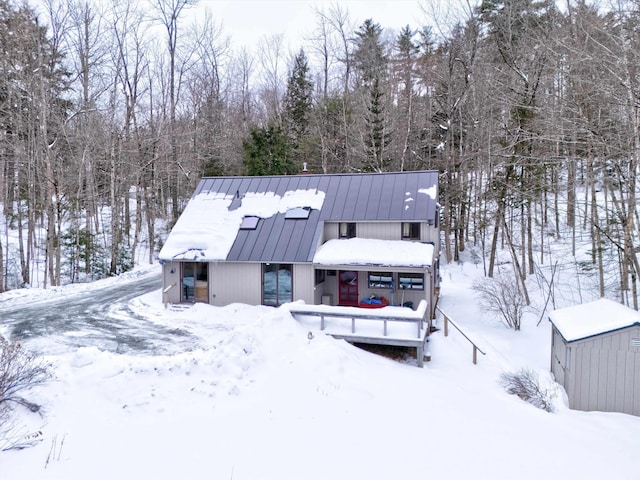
(99,317)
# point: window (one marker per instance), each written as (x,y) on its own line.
(410,281)
(249,223)
(298,213)
(410,231)
(381,280)
(277,284)
(320,276)
(347,230)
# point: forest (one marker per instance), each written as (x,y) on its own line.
(110,113)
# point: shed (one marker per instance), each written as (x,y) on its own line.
(595,356)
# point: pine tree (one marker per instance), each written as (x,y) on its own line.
(267,152)
(298,107)
(371,67)
(298,100)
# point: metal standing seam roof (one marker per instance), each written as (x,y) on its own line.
(348,198)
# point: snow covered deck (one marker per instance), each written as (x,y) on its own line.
(398,326)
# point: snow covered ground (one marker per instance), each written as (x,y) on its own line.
(254,398)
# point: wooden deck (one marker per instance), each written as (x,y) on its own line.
(396,326)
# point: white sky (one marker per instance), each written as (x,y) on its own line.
(247,21)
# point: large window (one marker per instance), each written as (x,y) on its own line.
(381,280)
(277,285)
(347,230)
(410,281)
(410,231)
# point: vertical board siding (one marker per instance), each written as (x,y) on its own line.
(304,282)
(173,280)
(380,230)
(604,372)
(235,283)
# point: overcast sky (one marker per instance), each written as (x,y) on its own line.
(249,20)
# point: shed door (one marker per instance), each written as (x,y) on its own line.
(348,288)
(559,358)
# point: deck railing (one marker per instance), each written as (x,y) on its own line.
(354,313)
(447,321)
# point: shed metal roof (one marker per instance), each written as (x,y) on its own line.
(594,318)
(360,197)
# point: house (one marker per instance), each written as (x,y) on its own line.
(595,356)
(344,239)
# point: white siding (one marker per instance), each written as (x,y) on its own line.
(384,231)
(604,373)
(235,282)
(303,283)
(171,282)
(379,230)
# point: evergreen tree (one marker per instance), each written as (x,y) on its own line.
(405,64)
(371,67)
(298,107)
(298,100)
(267,152)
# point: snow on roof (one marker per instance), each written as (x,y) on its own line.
(593,318)
(207,228)
(366,251)
(431,191)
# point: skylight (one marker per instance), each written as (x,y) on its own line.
(249,223)
(298,213)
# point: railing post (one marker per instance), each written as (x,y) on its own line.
(475,355)
(446,325)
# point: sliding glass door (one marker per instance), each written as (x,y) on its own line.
(277,284)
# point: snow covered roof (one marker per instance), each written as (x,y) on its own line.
(594,318)
(365,251)
(209,228)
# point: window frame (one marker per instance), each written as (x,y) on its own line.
(380,284)
(249,222)
(297,213)
(414,286)
(414,230)
(275,268)
(349,230)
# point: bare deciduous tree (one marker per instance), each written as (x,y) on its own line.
(503,296)
(526,385)
(20,371)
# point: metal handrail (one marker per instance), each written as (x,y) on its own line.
(448,321)
(164,293)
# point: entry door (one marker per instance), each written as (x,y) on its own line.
(348,288)
(195,282)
